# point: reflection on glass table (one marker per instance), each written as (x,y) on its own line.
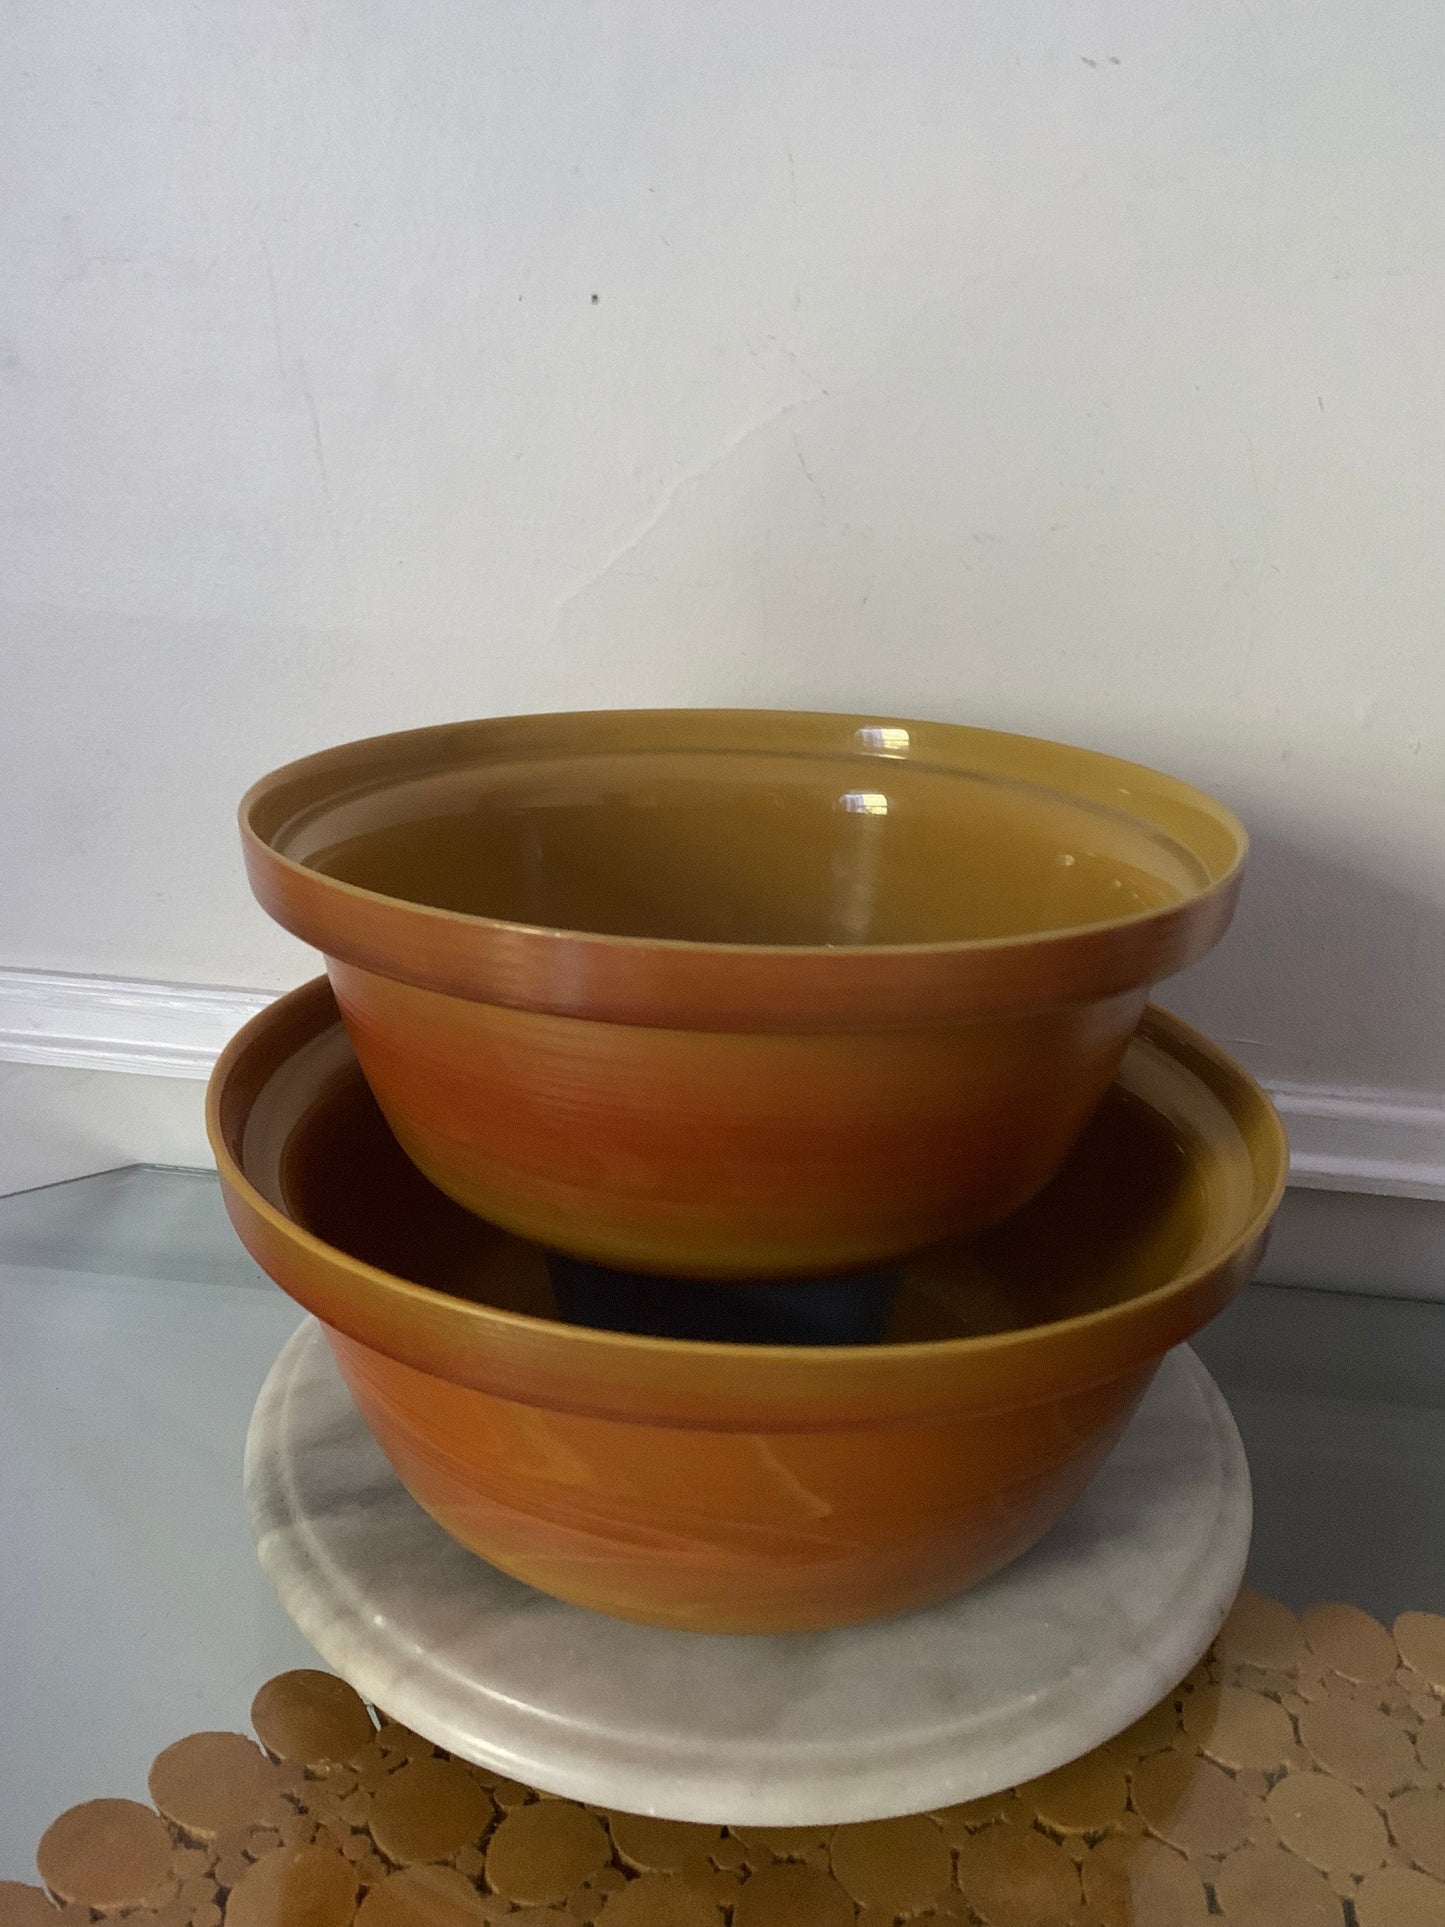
(134,1336)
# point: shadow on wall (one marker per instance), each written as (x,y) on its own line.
(1331,974)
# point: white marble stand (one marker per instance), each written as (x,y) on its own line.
(1033,1668)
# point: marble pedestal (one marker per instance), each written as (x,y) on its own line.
(1033,1668)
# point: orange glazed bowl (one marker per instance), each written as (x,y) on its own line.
(749,1488)
(738,994)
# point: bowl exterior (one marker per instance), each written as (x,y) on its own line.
(735,1110)
(769,1531)
(730,1154)
(737,1487)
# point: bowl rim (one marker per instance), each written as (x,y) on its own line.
(1162,1316)
(366,927)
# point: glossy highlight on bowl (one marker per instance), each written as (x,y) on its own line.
(738,993)
(749,1488)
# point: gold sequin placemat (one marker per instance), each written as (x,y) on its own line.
(1295,1779)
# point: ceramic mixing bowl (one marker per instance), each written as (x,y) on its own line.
(733,1487)
(738,994)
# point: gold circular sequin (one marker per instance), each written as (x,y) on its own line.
(1015,1879)
(786,1843)
(1269,1887)
(1260,1679)
(371,1765)
(956,1823)
(1357,1743)
(429,1809)
(700,1873)
(1430,1747)
(1260,1632)
(1310,1838)
(1417,1820)
(422,1897)
(106,1854)
(659,1846)
(311,1717)
(231,1860)
(1327,1823)
(294,1887)
(539,1853)
(1189,1802)
(22,1905)
(1399,1897)
(1239,1729)
(1139,1882)
(401,1743)
(1087,1796)
(1349,1642)
(495,1908)
(1312,1683)
(211,1783)
(1206,1673)
(787,1895)
(1150,1733)
(1421,1640)
(655,1900)
(903,1863)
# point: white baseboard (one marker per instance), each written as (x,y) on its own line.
(1380,1143)
(97,1072)
(117,1023)
(1387,1143)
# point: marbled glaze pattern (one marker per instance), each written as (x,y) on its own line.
(730,1530)
(1031,1669)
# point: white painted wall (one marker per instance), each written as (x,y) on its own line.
(1074,368)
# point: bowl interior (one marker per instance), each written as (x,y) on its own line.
(1157,1183)
(745,846)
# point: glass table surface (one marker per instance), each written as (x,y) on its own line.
(135,1334)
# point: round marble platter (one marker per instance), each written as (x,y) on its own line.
(1039,1665)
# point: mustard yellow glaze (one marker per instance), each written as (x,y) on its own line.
(739,993)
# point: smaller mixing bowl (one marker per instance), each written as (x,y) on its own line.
(738,993)
(734,1487)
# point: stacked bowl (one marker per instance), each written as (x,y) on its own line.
(729,1153)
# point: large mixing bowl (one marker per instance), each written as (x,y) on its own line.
(749,1488)
(738,994)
